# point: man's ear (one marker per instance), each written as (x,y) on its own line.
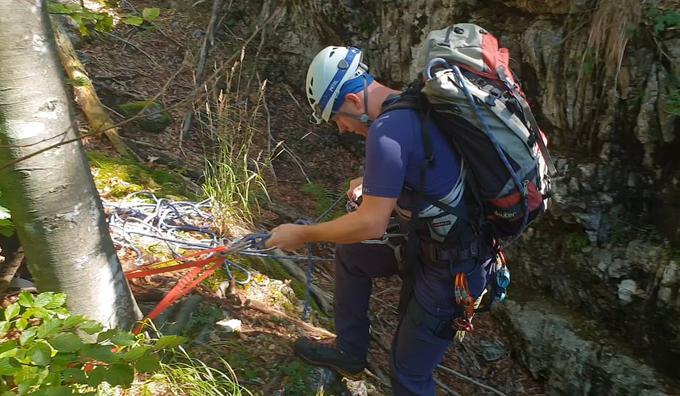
(355,100)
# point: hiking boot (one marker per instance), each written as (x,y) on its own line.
(325,353)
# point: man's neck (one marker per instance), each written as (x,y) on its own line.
(377,94)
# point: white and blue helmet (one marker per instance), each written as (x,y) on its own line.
(329,70)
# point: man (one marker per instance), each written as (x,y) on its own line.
(340,89)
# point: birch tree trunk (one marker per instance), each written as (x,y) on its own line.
(54,203)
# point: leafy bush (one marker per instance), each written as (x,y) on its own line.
(100,20)
(46,351)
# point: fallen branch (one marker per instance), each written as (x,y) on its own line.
(259,306)
(299,274)
(97,117)
(465,377)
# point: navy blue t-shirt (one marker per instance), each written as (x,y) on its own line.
(394,155)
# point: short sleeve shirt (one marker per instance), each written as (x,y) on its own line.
(395,154)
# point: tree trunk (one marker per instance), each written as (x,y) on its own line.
(54,203)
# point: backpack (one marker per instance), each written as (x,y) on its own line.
(469,91)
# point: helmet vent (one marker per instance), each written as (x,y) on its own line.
(331,54)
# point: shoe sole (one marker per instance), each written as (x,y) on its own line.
(355,377)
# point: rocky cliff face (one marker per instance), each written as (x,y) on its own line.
(604,80)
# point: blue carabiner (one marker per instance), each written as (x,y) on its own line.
(432,63)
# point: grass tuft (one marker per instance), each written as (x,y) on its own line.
(233,177)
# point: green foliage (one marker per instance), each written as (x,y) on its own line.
(119,177)
(576,241)
(233,177)
(195,378)
(296,374)
(44,350)
(323,199)
(6,225)
(662,20)
(101,20)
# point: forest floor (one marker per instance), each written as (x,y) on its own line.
(136,63)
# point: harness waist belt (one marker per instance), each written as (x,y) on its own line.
(441,255)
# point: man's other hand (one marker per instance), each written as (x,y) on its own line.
(355,186)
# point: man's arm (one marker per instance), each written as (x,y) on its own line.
(367,222)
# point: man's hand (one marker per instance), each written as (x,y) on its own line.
(287,237)
(355,186)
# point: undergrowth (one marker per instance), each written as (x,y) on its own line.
(117,177)
(233,176)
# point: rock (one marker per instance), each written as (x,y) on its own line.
(229,325)
(627,289)
(553,344)
(154,117)
(492,350)
(356,388)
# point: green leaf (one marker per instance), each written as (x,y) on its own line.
(135,353)
(4,213)
(26,299)
(8,393)
(27,335)
(169,341)
(6,228)
(147,363)
(43,299)
(73,321)
(40,353)
(67,342)
(49,327)
(57,8)
(106,335)
(4,326)
(150,14)
(36,312)
(7,345)
(58,299)
(91,327)
(133,20)
(96,376)
(120,374)
(9,366)
(11,311)
(101,353)
(123,339)
(21,323)
(105,24)
(63,360)
(58,390)
(74,375)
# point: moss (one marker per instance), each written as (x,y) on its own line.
(120,177)
(576,241)
(154,117)
(274,270)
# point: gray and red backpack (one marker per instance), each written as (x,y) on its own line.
(469,91)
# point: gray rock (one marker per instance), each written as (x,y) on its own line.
(555,346)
